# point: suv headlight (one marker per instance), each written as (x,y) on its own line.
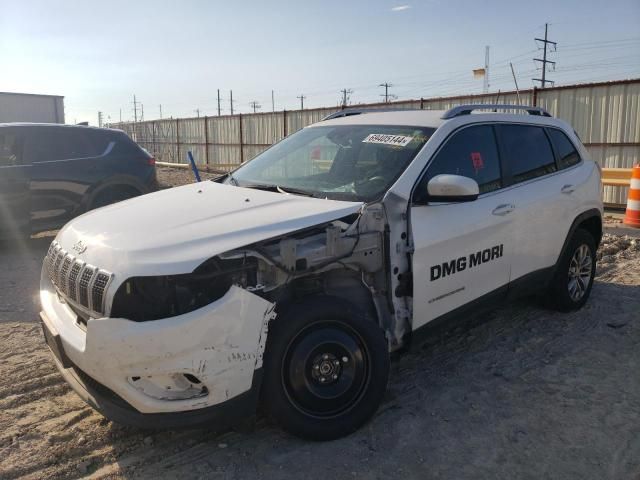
(153,298)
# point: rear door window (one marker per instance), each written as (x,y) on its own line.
(527,151)
(10,149)
(51,144)
(567,154)
(471,152)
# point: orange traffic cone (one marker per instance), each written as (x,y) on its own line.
(632,215)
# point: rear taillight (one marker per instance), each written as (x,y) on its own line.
(151,161)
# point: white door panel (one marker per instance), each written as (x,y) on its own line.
(461,252)
(545,198)
(542,218)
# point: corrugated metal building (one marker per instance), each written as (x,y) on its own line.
(606,116)
(29,107)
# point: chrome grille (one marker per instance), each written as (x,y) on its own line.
(83,285)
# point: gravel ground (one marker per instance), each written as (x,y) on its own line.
(518,392)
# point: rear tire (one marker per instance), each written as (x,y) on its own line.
(326,368)
(571,285)
(113,195)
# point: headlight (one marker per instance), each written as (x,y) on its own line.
(152,298)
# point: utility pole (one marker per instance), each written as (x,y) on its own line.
(301,97)
(386,91)
(543,81)
(231,100)
(346,93)
(160,111)
(218,102)
(273,102)
(197,110)
(100,119)
(255,105)
(120,115)
(485,87)
(135,109)
(142,112)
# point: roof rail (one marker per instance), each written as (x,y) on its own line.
(467,109)
(358,111)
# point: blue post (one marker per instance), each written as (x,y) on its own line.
(193,166)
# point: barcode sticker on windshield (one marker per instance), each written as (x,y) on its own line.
(397,140)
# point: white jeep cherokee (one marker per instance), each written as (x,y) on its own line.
(286,283)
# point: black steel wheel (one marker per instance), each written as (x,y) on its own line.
(326,368)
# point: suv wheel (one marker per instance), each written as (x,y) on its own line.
(113,195)
(326,368)
(576,270)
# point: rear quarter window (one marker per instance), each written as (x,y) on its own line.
(126,146)
(567,154)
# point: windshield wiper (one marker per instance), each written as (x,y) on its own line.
(277,188)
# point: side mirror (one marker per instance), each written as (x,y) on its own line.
(452,188)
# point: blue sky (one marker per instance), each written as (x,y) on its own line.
(177,53)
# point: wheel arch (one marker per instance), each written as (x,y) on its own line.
(115,182)
(341,283)
(589,220)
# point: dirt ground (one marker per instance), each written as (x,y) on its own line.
(173,177)
(520,392)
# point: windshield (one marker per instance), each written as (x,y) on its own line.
(345,162)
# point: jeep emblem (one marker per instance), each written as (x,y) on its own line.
(79,247)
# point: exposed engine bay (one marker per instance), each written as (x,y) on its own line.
(345,258)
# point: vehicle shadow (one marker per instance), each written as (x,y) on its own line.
(517,392)
(20,264)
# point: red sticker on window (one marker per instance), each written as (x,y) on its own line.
(315,153)
(476,159)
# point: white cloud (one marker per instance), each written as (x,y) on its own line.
(400,8)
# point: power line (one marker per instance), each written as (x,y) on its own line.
(543,81)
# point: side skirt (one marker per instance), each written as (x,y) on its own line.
(524,286)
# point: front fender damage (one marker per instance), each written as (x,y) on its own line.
(195,360)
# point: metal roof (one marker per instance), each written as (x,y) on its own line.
(31,94)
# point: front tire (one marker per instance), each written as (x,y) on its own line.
(326,368)
(574,276)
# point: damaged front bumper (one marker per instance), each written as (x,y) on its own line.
(203,366)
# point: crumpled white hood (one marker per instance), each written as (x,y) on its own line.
(173,231)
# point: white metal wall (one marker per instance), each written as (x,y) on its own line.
(606,116)
(24,107)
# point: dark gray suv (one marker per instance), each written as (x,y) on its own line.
(49,174)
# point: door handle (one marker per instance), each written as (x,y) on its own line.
(503,209)
(567,189)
